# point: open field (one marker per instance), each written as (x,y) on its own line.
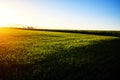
(59,55)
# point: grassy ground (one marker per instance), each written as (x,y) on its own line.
(93,32)
(47,55)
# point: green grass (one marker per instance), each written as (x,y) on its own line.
(94,32)
(51,55)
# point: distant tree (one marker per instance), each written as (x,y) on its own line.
(30,27)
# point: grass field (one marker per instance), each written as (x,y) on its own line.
(55,55)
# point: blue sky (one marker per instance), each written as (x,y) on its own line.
(62,14)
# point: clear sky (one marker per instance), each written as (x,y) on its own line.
(62,14)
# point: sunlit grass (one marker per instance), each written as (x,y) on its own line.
(28,45)
(45,55)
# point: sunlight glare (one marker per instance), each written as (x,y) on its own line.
(9,17)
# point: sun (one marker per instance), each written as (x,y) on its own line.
(3,23)
(5,18)
(8,16)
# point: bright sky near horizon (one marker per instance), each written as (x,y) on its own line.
(62,14)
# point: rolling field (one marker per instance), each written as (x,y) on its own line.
(54,55)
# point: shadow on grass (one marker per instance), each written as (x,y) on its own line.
(98,61)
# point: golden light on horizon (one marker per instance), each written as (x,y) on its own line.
(5,17)
(9,16)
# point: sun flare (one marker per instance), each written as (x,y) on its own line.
(9,16)
(6,18)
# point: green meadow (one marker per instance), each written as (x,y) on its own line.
(59,55)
